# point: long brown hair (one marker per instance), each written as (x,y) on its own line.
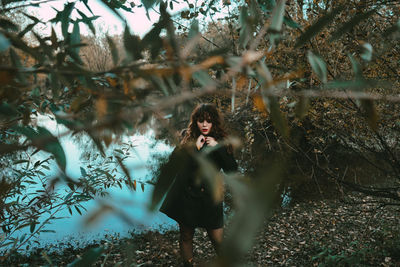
(209,112)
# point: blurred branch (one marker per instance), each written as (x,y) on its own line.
(186,28)
(32,3)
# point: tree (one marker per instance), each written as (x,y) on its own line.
(297,78)
(96,54)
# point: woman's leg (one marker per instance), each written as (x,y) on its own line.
(186,243)
(216,236)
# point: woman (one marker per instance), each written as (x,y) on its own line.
(195,198)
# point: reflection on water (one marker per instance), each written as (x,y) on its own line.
(130,213)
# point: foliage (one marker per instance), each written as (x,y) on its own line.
(298,79)
(32,197)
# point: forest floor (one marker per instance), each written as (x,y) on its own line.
(355,231)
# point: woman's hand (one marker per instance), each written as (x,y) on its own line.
(200,141)
(211,141)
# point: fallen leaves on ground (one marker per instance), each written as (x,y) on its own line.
(351,231)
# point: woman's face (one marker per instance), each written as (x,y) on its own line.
(204,126)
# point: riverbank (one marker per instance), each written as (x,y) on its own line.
(350,231)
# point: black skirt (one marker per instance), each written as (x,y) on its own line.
(194,207)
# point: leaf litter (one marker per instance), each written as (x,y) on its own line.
(351,231)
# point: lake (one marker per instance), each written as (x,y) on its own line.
(132,206)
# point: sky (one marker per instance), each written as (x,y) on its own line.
(108,22)
(138,22)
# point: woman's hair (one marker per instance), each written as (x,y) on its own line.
(209,113)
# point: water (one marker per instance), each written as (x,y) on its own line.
(129,208)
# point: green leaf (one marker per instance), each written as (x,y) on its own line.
(68,196)
(40,173)
(46,167)
(352,84)
(318,26)
(350,24)
(366,52)
(109,176)
(83,172)
(8,110)
(78,210)
(245,28)
(318,65)
(27,131)
(6,244)
(149,3)
(359,84)
(133,44)
(65,17)
(259,194)
(277,117)
(129,182)
(22,238)
(20,161)
(35,19)
(152,39)
(167,173)
(53,38)
(114,50)
(194,29)
(356,68)
(8,25)
(44,46)
(267,5)
(47,231)
(119,151)
(87,6)
(75,38)
(4,43)
(255,14)
(53,146)
(291,23)
(88,21)
(97,142)
(392,29)
(161,85)
(277,17)
(44,140)
(87,259)
(28,28)
(112,7)
(22,226)
(32,227)
(203,78)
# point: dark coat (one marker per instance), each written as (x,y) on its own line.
(191,199)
